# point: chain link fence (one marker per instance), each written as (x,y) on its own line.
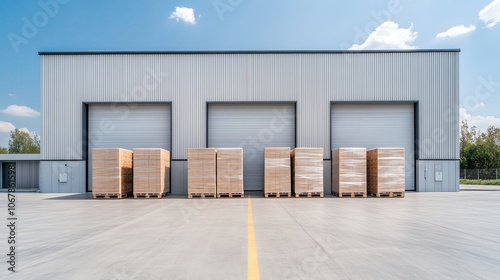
(480,174)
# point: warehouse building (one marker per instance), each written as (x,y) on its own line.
(181,100)
(19,170)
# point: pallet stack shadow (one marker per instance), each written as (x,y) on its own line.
(386,172)
(277,168)
(111,172)
(307,171)
(202,170)
(349,172)
(151,172)
(230,172)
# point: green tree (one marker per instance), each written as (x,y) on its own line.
(491,142)
(22,142)
(479,150)
(3,150)
(468,136)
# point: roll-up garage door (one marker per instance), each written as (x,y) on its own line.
(374,125)
(127,126)
(251,126)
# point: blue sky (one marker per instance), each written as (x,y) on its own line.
(27,27)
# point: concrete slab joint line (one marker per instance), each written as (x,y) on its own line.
(253,262)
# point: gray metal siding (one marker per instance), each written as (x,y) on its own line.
(188,81)
(128,126)
(178,169)
(49,176)
(327,176)
(251,126)
(426,175)
(376,125)
(27,174)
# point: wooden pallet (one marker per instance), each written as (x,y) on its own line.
(148,195)
(202,195)
(278,194)
(110,195)
(219,195)
(389,194)
(310,194)
(350,194)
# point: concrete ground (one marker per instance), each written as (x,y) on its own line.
(422,236)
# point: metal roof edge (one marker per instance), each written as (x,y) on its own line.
(250,52)
(17,157)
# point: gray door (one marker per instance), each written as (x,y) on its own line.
(128,126)
(251,126)
(9,174)
(376,125)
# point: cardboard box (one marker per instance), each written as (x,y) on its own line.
(307,170)
(202,168)
(277,170)
(386,170)
(349,170)
(230,171)
(111,171)
(151,171)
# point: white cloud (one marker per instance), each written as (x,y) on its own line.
(480,122)
(456,31)
(11,94)
(20,111)
(491,14)
(184,14)
(6,127)
(388,36)
(479,106)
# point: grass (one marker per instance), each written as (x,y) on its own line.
(479,182)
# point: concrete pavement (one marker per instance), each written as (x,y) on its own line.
(422,236)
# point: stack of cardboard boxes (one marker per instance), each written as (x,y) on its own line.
(230,172)
(349,171)
(386,171)
(307,177)
(111,172)
(151,172)
(277,177)
(202,180)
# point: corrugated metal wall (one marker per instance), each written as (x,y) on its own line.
(191,80)
(426,176)
(49,176)
(27,174)
(178,180)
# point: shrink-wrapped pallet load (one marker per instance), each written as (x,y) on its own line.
(307,171)
(111,172)
(349,172)
(277,171)
(202,170)
(386,171)
(151,172)
(230,172)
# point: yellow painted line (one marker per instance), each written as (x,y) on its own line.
(253,263)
